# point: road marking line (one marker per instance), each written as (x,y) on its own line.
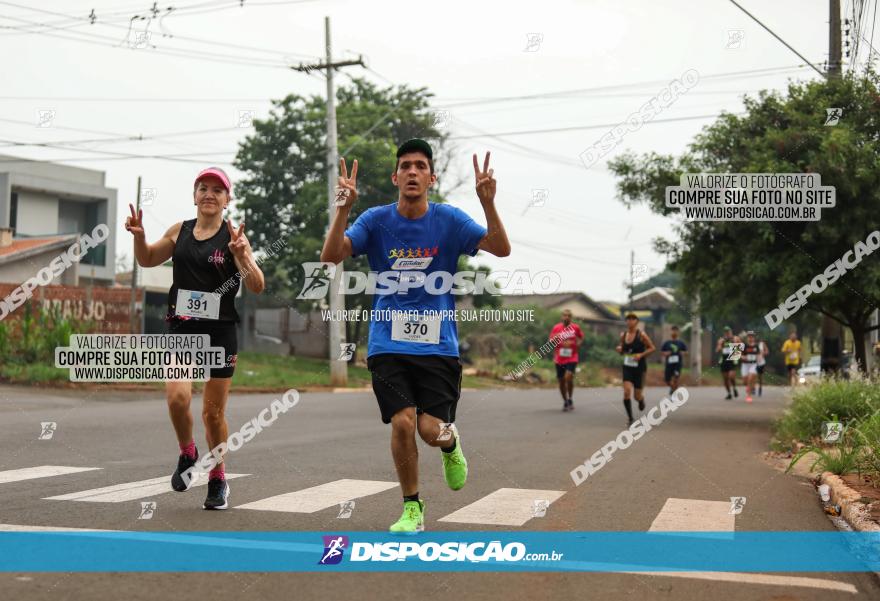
(19,528)
(693,515)
(130,491)
(316,498)
(767,579)
(41,471)
(504,507)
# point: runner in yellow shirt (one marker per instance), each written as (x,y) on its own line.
(791,348)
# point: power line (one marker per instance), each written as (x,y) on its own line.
(786,44)
(583,127)
(96,39)
(571,92)
(121,137)
(99,40)
(168,157)
(167,11)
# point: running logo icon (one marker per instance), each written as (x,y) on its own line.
(47,430)
(345,510)
(638,273)
(317,280)
(735,38)
(334,549)
(346,350)
(736,350)
(539,507)
(833,116)
(736,505)
(831,431)
(534,42)
(148,508)
(446,432)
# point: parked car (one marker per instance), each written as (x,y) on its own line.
(811,371)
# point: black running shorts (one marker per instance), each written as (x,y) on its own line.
(561,368)
(670,372)
(222,333)
(728,366)
(430,383)
(635,375)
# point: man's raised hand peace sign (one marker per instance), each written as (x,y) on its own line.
(346,188)
(485,181)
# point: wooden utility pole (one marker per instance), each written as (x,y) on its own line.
(135,322)
(834,39)
(338,368)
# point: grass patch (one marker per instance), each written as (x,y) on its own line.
(33,373)
(278,371)
(849,400)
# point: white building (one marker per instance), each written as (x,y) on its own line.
(54,203)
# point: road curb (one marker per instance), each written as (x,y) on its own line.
(852,510)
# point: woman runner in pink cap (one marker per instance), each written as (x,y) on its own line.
(209,256)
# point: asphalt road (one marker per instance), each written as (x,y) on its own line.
(708,450)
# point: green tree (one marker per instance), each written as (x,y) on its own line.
(284,192)
(751,267)
(665,279)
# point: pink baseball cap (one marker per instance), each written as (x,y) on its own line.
(216,172)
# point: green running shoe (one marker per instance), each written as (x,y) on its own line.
(455,466)
(412,521)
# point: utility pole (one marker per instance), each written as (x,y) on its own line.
(632,281)
(338,369)
(834,43)
(831,331)
(697,341)
(134,273)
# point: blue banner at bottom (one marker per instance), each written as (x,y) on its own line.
(104,551)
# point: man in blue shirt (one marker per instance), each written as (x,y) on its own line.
(673,352)
(414,246)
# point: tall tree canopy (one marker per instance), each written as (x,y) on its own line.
(751,267)
(284,192)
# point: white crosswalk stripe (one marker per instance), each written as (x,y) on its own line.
(41,471)
(23,528)
(504,507)
(130,491)
(316,498)
(693,515)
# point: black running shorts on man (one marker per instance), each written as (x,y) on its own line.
(207,266)
(430,383)
(634,374)
(561,368)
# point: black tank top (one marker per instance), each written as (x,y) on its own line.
(750,353)
(726,349)
(204,265)
(636,346)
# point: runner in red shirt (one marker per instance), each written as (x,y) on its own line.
(566,337)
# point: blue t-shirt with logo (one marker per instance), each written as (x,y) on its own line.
(430,243)
(674,347)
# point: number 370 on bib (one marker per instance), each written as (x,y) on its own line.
(416,329)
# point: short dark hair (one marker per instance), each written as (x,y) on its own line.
(632,316)
(674,327)
(416,145)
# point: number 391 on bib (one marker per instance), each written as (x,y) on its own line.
(195,303)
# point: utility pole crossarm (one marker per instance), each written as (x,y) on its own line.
(333,65)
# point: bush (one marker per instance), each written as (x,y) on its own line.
(32,338)
(868,434)
(850,400)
